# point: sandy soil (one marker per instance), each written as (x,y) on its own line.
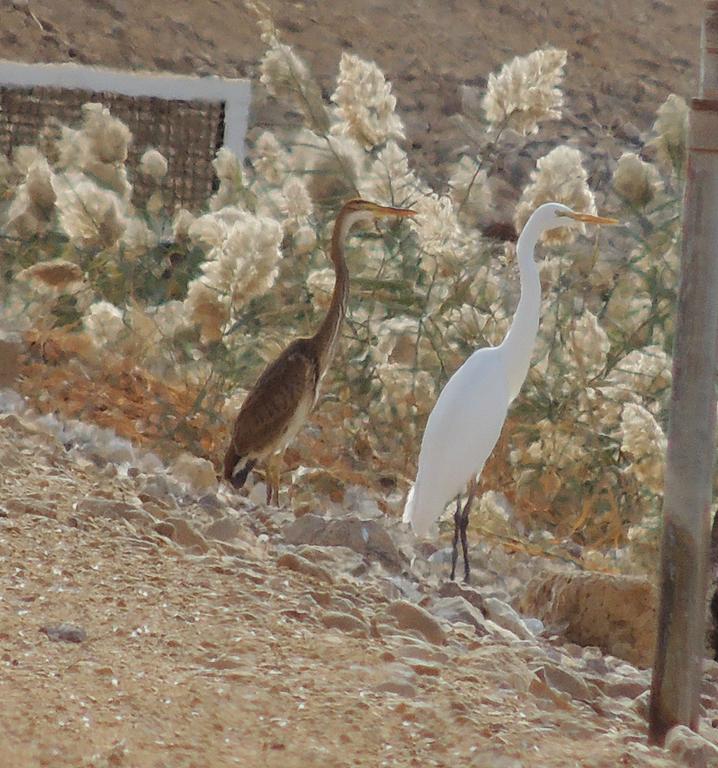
(205,653)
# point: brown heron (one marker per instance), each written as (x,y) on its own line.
(279,403)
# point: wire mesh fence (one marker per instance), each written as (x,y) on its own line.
(186,119)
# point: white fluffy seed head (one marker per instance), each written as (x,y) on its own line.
(559,177)
(154,165)
(636,181)
(365,103)
(526,91)
(671,129)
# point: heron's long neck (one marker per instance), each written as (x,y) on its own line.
(326,337)
(519,342)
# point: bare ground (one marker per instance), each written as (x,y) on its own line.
(204,658)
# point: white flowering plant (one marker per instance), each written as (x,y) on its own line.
(201,301)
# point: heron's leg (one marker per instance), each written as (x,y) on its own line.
(239,479)
(464,524)
(272,479)
(455,549)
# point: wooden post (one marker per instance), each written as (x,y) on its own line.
(677,670)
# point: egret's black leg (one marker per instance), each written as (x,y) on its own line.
(455,549)
(463,525)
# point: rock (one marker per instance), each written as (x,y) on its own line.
(30,507)
(343,558)
(455,609)
(398,687)
(398,679)
(345,622)
(417,650)
(112,509)
(223,529)
(186,536)
(406,615)
(503,665)
(367,537)
(499,632)
(562,680)
(165,529)
(471,595)
(617,686)
(615,613)
(424,667)
(534,626)
(66,633)
(196,472)
(505,616)
(690,748)
(302,565)
(17,424)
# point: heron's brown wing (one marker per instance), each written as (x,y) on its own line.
(275,398)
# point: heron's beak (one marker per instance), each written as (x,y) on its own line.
(385,210)
(588,218)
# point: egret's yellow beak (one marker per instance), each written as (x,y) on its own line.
(588,218)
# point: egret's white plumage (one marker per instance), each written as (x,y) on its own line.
(482,383)
(467,419)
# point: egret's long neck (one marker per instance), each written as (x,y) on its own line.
(326,337)
(519,342)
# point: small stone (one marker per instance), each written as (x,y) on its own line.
(690,748)
(458,609)
(410,616)
(21,507)
(224,661)
(302,565)
(196,472)
(223,529)
(398,679)
(397,687)
(165,529)
(345,622)
(113,509)
(562,680)
(418,650)
(504,665)
(186,536)
(367,537)
(66,633)
(617,687)
(505,616)
(424,667)
(471,595)
(534,626)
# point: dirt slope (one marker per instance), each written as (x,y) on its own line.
(205,651)
(624,58)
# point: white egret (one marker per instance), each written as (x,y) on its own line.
(467,419)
